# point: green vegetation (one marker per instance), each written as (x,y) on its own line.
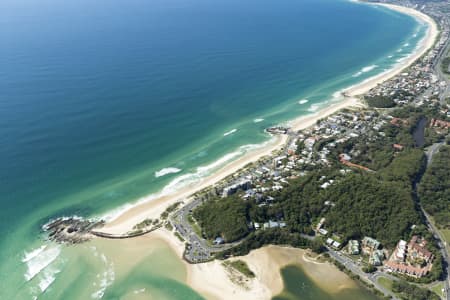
(445,64)
(178,235)
(170,209)
(446,235)
(434,189)
(241,266)
(411,292)
(226,218)
(144,224)
(380,102)
(385,282)
(437,288)
(273,236)
(369,269)
(169,226)
(380,209)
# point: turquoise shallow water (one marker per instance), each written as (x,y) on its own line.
(298,286)
(102,102)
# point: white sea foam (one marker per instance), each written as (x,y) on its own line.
(186,179)
(364,70)
(258,120)
(303,101)
(400,50)
(406,45)
(390,56)
(314,108)
(139,291)
(230,132)
(48,277)
(166,171)
(39,262)
(33,253)
(106,278)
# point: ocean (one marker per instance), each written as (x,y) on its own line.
(105,102)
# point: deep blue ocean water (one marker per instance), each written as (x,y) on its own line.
(101,102)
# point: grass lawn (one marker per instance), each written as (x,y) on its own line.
(385,282)
(437,289)
(446,234)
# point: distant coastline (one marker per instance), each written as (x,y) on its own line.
(152,207)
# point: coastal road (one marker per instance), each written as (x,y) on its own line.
(432,150)
(355,269)
(199,250)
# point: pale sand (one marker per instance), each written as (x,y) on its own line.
(324,274)
(213,282)
(154,207)
(421,49)
(211,279)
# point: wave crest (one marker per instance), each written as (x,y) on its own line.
(230,132)
(166,171)
(40,261)
(364,70)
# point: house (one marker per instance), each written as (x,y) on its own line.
(397,147)
(376,258)
(353,247)
(323,231)
(219,240)
(369,245)
(417,249)
(336,244)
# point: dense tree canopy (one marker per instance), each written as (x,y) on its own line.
(434,189)
(224,218)
(367,206)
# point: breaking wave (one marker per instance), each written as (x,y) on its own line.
(364,70)
(33,253)
(40,261)
(230,132)
(166,171)
(303,101)
(258,120)
(314,108)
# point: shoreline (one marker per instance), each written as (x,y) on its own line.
(211,279)
(152,206)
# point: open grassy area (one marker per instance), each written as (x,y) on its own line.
(437,289)
(446,234)
(385,282)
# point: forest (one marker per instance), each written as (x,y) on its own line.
(434,188)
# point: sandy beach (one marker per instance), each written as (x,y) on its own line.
(211,278)
(153,207)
